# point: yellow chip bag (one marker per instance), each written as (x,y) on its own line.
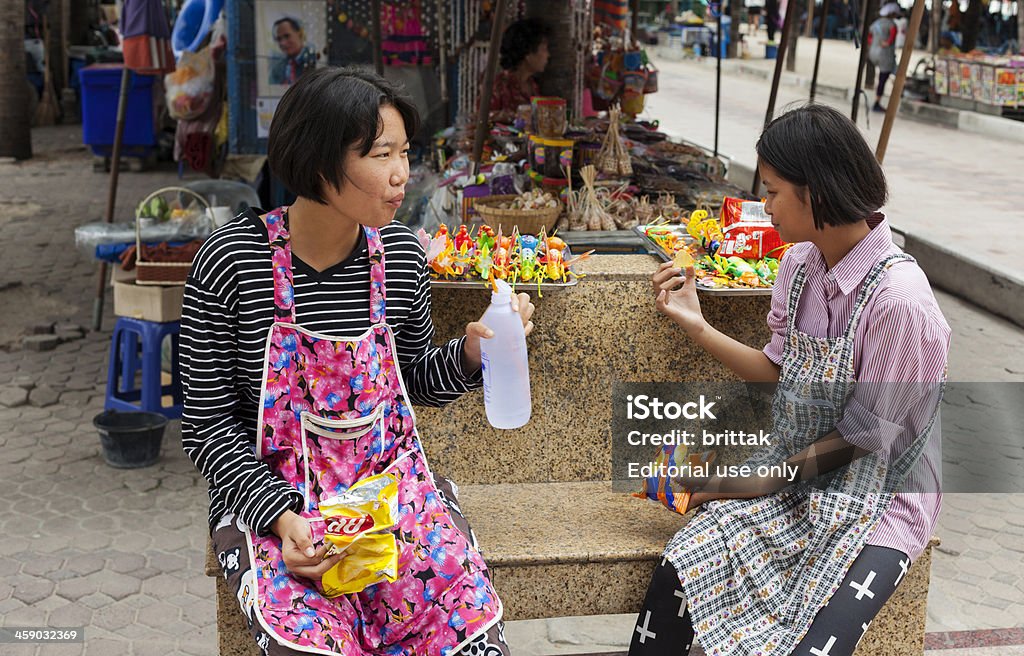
(357,523)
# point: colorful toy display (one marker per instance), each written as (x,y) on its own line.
(480,254)
(700,244)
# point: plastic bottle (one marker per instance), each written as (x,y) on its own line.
(506,369)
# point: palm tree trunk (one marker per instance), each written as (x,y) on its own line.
(15,121)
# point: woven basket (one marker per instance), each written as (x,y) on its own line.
(528,221)
(161,273)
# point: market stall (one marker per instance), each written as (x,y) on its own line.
(980,83)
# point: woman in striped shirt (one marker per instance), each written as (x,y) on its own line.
(306,337)
(858,349)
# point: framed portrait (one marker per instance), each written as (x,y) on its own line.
(291,38)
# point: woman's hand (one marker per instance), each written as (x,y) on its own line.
(297,549)
(678,303)
(476,330)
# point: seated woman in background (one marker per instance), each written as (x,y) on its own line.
(524,54)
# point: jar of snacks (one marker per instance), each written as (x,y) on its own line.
(549,117)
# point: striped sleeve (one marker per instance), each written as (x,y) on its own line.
(213,435)
(434,375)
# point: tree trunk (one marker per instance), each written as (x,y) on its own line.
(734,28)
(1020,26)
(57,53)
(15,121)
(935,29)
(970,23)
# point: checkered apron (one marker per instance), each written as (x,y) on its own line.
(757,571)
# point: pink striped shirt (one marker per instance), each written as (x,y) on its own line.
(903,338)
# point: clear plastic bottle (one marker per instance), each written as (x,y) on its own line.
(506,369)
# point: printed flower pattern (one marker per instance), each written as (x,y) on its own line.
(444,595)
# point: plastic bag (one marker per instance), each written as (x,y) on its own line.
(673,458)
(189,88)
(357,523)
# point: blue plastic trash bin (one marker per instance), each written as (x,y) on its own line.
(101,86)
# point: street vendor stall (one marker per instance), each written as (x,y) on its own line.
(981,83)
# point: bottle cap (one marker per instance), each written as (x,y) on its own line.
(502,292)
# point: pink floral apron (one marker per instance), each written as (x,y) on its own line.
(333,411)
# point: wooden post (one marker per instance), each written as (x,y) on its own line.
(809,27)
(787,24)
(484,110)
(817,55)
(634,10)
(901,77)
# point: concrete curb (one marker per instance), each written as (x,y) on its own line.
(999,293)
(995,127)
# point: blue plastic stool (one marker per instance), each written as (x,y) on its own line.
(136,346)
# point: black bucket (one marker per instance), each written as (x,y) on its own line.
(130,439)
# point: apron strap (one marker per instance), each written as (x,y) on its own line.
(281,259)
(871,282)
(905,463)
(378,289)
(796,288)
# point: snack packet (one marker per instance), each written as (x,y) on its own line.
(748,231)
(659,488)
(357,523)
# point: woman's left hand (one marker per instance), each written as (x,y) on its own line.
(476,330)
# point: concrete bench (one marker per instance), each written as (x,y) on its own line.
(559,541)
(597,561)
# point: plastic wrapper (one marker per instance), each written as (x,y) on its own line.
(357,524)
(189,88)
(92,235)
(748,231)
(659,488)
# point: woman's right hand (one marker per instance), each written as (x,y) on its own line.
(676,297)
(300,557)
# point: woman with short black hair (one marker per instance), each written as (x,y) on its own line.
(858,352)
(305,339)
(524,55)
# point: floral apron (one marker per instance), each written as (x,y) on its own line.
(757,571)
(334,411)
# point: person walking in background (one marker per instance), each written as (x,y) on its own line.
(771,17)
(882,48)
(754,10)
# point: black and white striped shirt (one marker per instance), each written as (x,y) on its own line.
(226,315)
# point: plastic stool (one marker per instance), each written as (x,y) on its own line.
(134,346)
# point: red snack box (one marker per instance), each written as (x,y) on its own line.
(748,231)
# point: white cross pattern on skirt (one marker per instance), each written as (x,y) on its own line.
(904,565)
(864,589)
(682,606)
(642,630)
(827,649)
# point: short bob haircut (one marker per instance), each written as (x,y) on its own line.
(521,39)
(324,115)
(818,148)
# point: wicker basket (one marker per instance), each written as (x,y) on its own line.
(528,221)
(161,273)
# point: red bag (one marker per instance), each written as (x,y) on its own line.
(748,231)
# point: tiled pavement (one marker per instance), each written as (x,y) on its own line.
(121,551)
